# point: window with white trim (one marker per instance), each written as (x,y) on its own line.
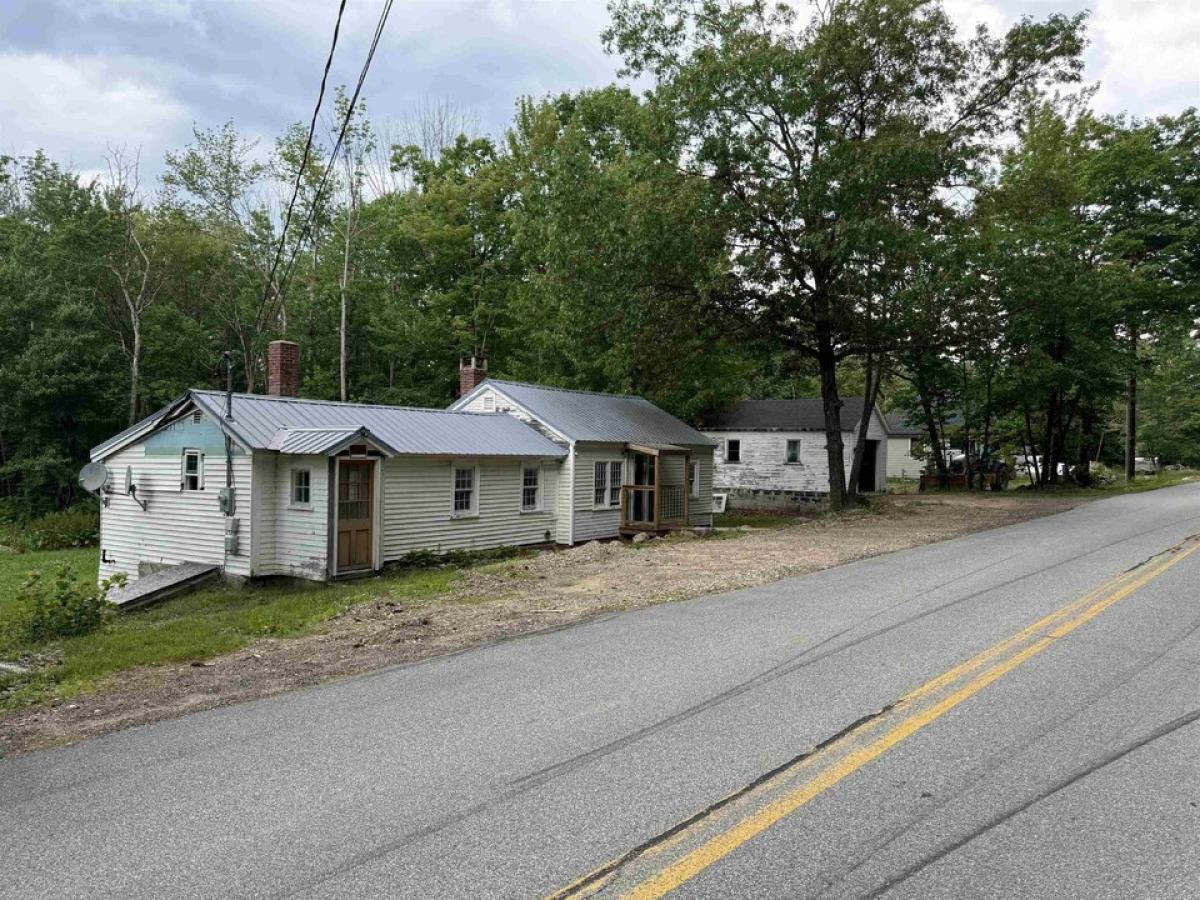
(793,451)
(694,480)
(192,471)
(606,484)
(531,487)
(301,487)
(466,491)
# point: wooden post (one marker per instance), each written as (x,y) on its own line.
(657,490)
(687,493)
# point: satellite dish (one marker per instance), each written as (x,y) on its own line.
(129,488)
(94,477)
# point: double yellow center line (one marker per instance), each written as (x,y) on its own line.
(663,864)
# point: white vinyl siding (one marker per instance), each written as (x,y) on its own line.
(177,525)
(417,501)
(900,460)
(592,523)
(291,539)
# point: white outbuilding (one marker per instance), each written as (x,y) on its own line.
(771,454)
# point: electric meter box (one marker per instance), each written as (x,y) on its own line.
(226,499)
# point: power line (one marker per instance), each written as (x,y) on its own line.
(269,310)
(312,128)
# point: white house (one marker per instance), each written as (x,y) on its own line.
(904,442)
(630,466)
(771,453)
(262,485)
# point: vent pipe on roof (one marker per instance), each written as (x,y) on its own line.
(471,373)
(283,369)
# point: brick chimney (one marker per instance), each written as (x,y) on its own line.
(283,369)
(471,372)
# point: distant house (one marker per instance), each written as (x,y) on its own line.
(630,466)
(771,453)
(905,440)
(261,485)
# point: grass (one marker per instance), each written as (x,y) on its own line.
(193,627)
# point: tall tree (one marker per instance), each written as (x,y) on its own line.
(830,141)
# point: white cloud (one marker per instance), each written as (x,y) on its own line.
(73,106)
(1149,56)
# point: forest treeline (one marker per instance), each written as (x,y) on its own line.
(864,202)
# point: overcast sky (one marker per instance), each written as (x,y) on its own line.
(76,75)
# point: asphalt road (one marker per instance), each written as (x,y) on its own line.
(1015,713)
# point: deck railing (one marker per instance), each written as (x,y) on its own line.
(638,506)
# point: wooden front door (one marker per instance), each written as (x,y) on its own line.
(354,515)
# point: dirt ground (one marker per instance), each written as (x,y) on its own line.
(517,597)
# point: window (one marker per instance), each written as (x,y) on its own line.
(793,451)
(733,451)
(192,478)
(606,485)
(531,488)
(466,496)
(301,487)
(694,480)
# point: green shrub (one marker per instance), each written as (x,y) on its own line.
(62,606)
(79,527)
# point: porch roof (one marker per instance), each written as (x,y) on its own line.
(326,441)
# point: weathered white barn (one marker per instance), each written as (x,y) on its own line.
(771,453)
(262,485)
(904,447)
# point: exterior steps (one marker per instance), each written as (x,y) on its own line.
(166,582)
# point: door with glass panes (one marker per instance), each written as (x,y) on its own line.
(354,514)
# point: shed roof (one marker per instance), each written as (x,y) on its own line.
(806,414)
(314,426)
(901,424)
(603,418)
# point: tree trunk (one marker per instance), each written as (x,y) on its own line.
(1131,409)
(342,379)
(874,376)
(827,365)
(935,437)
(1087,426)
(135,378)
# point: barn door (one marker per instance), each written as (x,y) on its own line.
(354,515)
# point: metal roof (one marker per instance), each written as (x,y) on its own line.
(606,418)
(807,414)
(323,440)
(258,419)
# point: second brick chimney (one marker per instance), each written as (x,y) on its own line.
(471,372)
(283,369)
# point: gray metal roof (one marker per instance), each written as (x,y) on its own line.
(323,440)
(258,419)
(606,418)
(807,414)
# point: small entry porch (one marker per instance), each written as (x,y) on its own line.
(655,496)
